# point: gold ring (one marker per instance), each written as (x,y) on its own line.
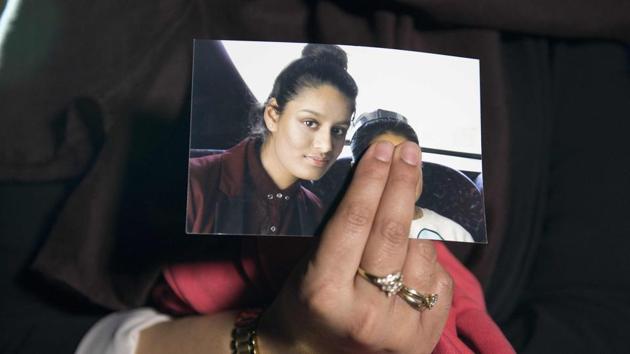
(390,283)
(418,300)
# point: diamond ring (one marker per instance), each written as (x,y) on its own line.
(390,283)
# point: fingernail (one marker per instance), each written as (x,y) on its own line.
(383,151)
(410,154)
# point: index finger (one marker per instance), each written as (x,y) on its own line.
(344,237)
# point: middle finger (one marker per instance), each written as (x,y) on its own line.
(388,240)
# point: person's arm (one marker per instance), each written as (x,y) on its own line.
(118,333)
(193,334)
(198,334)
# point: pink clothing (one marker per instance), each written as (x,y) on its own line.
(217,286)
(469,328)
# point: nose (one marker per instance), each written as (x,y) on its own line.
(323,141)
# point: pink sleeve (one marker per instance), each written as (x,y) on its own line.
(209,287)
(469,328)
(204,287)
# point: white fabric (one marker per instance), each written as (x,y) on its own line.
(433,226)
(118,332)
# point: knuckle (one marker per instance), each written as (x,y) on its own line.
(318,300)
(394,234)
(444,281)
(363,328)
(317,305)
(357,217)
(316,293)
(425,251)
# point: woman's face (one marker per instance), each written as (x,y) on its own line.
(396,140)
(306,138)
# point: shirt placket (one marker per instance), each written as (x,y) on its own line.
(277,207)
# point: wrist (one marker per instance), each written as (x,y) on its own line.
(244,336)
(274,337)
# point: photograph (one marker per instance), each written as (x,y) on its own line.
(276,129)
(315,177)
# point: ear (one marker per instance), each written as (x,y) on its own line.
(271,115)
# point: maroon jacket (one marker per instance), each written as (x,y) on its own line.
(231,193)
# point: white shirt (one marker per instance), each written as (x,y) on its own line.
(433,226)
(118,333)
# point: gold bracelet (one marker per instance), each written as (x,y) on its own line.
(244,340)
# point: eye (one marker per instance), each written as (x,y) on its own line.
(339,131)
(310,123)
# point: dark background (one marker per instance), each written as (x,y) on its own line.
(219,95)
(94,113)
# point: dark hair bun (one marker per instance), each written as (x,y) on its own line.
(326,52)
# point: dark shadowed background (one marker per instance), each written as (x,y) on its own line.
(94,107)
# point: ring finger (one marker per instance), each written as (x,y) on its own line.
(386,246)
(424,278)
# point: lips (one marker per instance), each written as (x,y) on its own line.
(318,161)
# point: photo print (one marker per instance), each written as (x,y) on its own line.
(276,128)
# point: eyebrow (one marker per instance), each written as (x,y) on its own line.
(310,111)
(345,122)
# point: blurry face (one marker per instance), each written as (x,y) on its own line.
(396,140)
(306,138)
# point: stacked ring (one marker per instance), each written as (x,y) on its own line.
(418,300)
(391,283)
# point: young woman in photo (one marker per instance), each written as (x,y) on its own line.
(297,134)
